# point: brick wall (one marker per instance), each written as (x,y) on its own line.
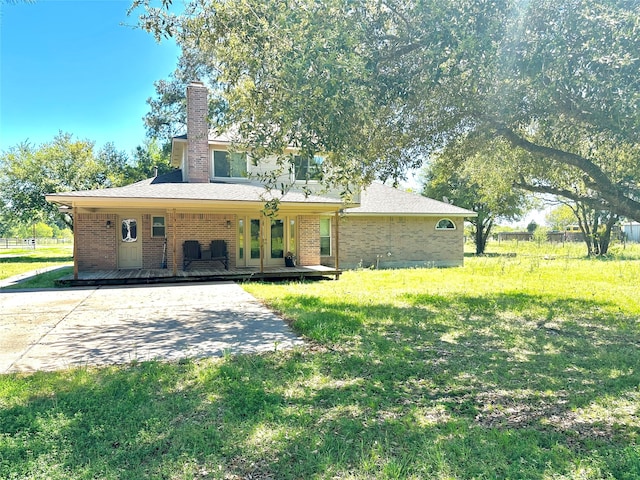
(203,227)
(308,240)
(198,160)
(96,243)
(151,246)
(398,242)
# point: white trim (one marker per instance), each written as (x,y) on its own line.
(446,228)
(164,225)
(229,153)
(330,238)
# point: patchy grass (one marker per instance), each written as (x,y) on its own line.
(28,260)
(617,250)
(43,280)
(509,367)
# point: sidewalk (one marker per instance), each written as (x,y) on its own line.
(10,281)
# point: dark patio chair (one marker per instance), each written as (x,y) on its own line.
(219,252)
(190,252)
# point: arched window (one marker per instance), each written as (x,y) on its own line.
(445,224)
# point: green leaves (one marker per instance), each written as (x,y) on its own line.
(382,85)
(28,173)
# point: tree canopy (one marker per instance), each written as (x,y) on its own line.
(384,84)
(28,173)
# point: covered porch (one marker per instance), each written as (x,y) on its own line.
(159,275)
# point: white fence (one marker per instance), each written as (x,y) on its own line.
(6,243)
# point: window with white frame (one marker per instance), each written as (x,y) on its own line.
(308,168)
(445,224)
(229,164)
(325,237)
(158,227)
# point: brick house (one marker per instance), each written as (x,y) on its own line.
(211,196)
(394,229)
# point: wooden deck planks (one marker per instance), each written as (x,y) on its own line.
(148,276)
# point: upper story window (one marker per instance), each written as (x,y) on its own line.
(308,168)
(445,224)
(229,164)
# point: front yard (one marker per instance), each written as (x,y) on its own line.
(19,261)
(510,367)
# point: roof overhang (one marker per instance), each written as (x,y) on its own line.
(401,214)
(96,204)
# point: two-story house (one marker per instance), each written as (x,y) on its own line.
(213,195)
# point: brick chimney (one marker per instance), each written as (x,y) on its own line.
(198,160)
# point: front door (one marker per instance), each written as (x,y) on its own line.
(129,244)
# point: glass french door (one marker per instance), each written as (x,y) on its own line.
(248,242)
(276,242)
(279,238)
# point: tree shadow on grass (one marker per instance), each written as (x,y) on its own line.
(37,259)
(500,386)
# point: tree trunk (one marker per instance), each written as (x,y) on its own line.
(483,230)
(604,239)
(581,213)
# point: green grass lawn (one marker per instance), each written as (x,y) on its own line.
(522,366)
(19,261)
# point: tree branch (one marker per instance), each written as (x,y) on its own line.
(595,203)
(609,191)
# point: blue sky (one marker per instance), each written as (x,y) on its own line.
(72,66)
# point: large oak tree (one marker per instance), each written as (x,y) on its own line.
(382,84)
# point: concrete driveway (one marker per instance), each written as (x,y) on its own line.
(56,329)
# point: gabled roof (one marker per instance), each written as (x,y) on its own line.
(171,187)
(379,199)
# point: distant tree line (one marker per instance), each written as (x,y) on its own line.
(28,173)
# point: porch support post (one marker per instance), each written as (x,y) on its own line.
(75,243)
(262,231)
(173,246)
(337,249)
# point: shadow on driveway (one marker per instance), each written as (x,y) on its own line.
(51,330)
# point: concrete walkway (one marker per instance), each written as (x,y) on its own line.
(56,329)
(16,279)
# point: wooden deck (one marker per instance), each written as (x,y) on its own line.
(141,276)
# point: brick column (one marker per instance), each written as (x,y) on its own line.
(198,160)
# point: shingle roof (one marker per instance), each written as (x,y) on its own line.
(171,187)
(229,136)
(379,199)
